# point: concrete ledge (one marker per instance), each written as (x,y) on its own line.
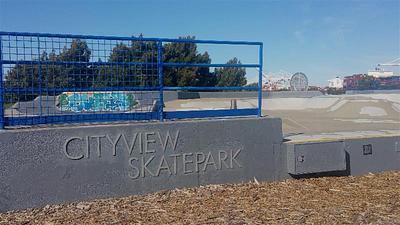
(352,92)
(64,164)
(364,152)
(316,157)
(174,95)
(373,155)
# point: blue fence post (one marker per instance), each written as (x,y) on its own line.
(160,80)
(260,80)
(39,78)
(1,86)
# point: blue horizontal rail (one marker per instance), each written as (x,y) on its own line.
(35,62)
(112,38)
(60,119)
(82,89)
(209,65)
(210,113)
(77,63)
(211,88)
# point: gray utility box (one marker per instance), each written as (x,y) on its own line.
(306,158)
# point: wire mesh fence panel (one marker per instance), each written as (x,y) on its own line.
(63,79)
(51,78)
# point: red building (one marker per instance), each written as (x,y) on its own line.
(366,82)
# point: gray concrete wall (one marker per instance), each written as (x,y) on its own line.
(352,92)
(173,95)
(316,157)
(385,155)
(64,164)
(170,95)
(292,94)
(362,155)
(56,165)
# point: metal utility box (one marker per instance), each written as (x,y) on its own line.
(306,158)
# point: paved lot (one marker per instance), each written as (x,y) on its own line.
(325,114)
(321,114)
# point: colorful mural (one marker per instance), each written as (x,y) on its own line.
(96,101)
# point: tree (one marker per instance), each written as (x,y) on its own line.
(144,75)
(231,76)
(78,52)
(140,68)
(52,75)
(78,76)
(187,76)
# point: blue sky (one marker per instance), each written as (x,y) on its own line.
(322,38)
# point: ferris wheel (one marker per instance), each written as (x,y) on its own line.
(299,82)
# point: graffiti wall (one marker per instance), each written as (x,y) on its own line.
(96,101)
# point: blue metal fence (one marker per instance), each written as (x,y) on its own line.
(58,78)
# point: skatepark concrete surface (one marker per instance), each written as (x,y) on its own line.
(315,115)
(326,137)
(300,115)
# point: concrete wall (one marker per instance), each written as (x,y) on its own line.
(362,155)
(173,95)
(384,155)
(64,164)
(55,165)
(352,92)
(292,94)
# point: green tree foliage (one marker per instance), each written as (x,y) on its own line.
(52,75)
(131,75)
(78,52)
(187,76)
(231,76)
(76,75)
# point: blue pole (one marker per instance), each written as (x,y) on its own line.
(160,80)
(1,87)
(260,80)
(39,78)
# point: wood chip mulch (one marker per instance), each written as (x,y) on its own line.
(369,199)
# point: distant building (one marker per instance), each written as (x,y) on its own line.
(378,73)
(277,83)
(336,83)
(367,82)
(359,82)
